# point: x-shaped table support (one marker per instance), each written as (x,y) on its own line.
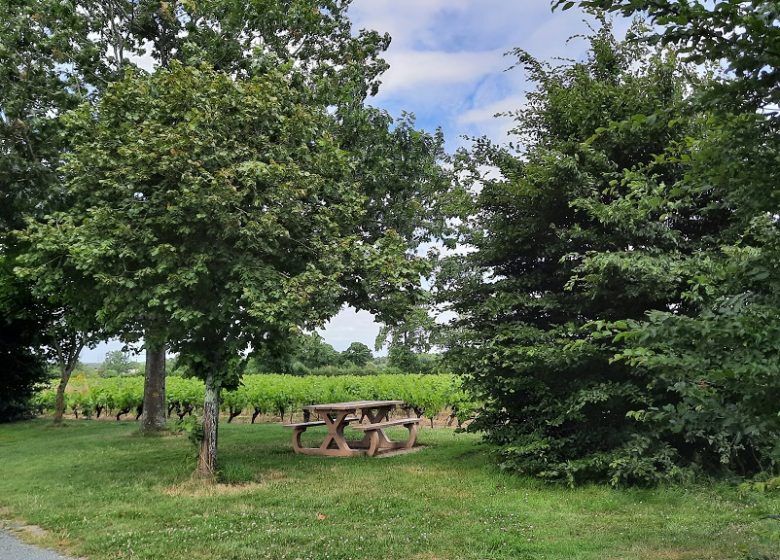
(336,421)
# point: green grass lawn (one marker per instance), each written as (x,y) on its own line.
(103,492)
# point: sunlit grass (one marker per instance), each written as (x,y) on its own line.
(103,492)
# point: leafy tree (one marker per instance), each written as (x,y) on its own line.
(406,337)
(593,136)
(403,358)
(117,362)
(36,87)
(313,352)
(61,53)
(712,357)
(70,310)
(226,207)
(742,34)
(357,353)
(297,353)
(64,339)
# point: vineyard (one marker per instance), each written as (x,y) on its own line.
(268,394)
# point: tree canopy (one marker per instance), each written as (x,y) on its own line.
(221,212)
(617,312)
(582,188)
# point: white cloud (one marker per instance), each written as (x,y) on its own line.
(407,21)
(482,119)
(446,58)
(414,69)
(480,115)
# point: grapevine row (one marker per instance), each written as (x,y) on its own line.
(272,394)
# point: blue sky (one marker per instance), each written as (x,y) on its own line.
(447,67)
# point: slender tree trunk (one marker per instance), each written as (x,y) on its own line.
(59,402)
(154,417)
(207,456)
(67,361)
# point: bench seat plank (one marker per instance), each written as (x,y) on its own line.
(304,424)
(317,423)
(386,424)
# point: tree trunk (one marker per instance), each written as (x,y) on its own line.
(154,417)
(207,456)
(59,401)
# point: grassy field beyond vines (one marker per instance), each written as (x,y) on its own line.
(105,493)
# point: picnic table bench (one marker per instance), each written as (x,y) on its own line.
(337,416)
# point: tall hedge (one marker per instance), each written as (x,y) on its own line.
(581,180)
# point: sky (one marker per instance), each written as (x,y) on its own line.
(448,67)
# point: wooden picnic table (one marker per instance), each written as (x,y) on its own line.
(337,416)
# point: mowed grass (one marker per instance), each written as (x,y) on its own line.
(104,492)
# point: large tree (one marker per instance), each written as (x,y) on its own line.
(35,88)
(591,134)
(358,354)
(227,207)
(713,357)
(71,51)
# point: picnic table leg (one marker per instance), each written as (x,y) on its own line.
(296,439)
(409,443)
(335,438)
(376,415)
(378,440)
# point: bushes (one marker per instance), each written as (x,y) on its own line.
(568,235)
(618,314)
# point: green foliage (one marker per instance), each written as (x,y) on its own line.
(313,352)
(744,36)
(34,90)
(305,354)
(21,368)
(711,355)
(402,358)
(586,189)
(409,339)
(358,354)
(620,311)
(275,394)
(256,157)
(193,427)
(117,362)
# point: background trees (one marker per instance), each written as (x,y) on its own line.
(117,363)
(357,353)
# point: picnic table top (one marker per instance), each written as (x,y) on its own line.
(352,405)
